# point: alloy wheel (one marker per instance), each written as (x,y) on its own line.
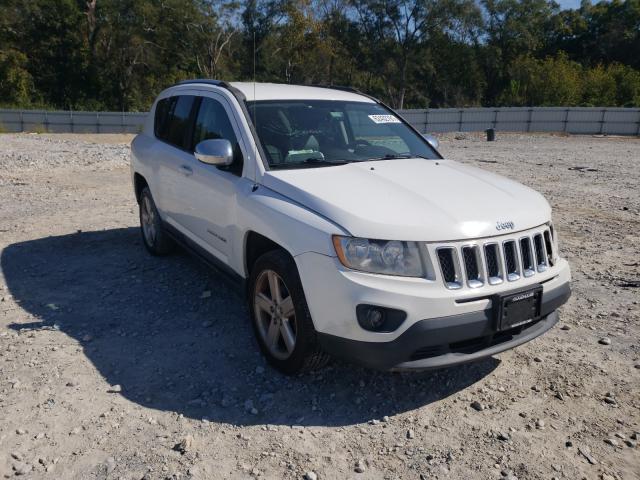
(275,314)
(148,217)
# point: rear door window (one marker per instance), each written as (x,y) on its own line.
(173,120)
(163,110)
(179,122)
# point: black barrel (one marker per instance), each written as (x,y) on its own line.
(491,134)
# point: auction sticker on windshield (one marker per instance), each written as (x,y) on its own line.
(384,119)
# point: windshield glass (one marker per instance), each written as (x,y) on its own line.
(312,133)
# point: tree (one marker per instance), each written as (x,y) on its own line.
(215,32)
(397,30)
(513,28)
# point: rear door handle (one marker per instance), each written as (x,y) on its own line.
(186,170)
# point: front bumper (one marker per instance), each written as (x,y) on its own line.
(446,341)
(442,327)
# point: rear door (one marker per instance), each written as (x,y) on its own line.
(173,127)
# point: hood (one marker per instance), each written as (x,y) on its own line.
(413,199)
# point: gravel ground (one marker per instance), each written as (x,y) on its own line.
(116,364)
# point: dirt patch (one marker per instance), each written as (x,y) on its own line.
(113,364)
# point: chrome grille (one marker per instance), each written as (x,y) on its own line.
(493,261)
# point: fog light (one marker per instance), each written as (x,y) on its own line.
(379,319)
(374,317)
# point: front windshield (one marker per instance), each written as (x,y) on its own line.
(310,133)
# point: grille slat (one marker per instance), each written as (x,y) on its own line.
(472,266)
(492,262)
(548,247)
(448,265)
(511,260)
(541,255)
(528,267)
(492,257)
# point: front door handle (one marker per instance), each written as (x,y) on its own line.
(186,170)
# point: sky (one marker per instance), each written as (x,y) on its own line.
(569,3)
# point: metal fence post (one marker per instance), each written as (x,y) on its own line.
(46,122)
(426,121)
(122,121)
(638,131)
(604,111)
(495,118)
(566,120)
(460,121)
(71,120)
(97,122)
(529,120)
(21,121)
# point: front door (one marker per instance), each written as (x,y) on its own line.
(209,191)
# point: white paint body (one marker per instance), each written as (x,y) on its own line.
(433,202)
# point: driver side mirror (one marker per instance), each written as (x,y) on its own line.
(218,152)
(433,141)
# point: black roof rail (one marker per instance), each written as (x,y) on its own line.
(337,87)
(208,81)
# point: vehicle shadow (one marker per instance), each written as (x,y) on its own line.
(176,337)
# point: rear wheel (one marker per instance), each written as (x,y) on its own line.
(155,239)
(280,315)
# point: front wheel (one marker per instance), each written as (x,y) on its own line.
(281,317)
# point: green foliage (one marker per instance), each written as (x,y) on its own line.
(16,83)
(547,82)
(119,54)
(560,81)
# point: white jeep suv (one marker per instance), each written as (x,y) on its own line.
(349,232)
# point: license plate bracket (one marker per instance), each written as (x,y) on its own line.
(518,308)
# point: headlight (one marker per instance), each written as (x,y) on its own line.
(389,257)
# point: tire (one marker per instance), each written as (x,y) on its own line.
(155,239)
(275,321)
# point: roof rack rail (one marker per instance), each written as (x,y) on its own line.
(209,81)
(337,87)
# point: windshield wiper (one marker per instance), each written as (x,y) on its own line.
(398,156)
(310,162)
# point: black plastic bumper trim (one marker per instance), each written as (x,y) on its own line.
(442,331)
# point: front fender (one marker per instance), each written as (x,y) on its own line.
(289,224)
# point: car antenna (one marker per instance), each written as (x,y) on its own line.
(255,119)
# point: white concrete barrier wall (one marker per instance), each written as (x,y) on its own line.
(578,120)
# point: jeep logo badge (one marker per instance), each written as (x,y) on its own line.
(505,225)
